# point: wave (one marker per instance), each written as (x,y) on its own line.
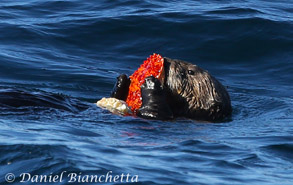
(14,99)
(183,34)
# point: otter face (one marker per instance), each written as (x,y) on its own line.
(194,92)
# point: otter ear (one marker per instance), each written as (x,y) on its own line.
(120,90)
(154,104)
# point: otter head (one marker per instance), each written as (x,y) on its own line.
(193,92)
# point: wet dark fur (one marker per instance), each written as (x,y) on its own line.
(121,87)
(154,104)
(188,91)
(194,92)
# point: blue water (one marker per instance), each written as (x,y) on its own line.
(57,58)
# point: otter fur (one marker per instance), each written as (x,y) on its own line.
(186,91)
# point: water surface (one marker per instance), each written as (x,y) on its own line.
(57,58)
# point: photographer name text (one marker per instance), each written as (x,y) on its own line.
(71,177)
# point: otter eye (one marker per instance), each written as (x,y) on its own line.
(190,72)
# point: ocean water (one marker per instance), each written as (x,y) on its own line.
(58,57)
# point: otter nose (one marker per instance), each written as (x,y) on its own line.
(182,74)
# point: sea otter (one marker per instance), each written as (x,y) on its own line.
(182,90)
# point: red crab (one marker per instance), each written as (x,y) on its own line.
(153,66)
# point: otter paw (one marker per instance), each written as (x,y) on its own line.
(121,88)
(154,104)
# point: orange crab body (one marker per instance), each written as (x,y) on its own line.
(153,66)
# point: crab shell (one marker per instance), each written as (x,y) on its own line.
(153,66)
